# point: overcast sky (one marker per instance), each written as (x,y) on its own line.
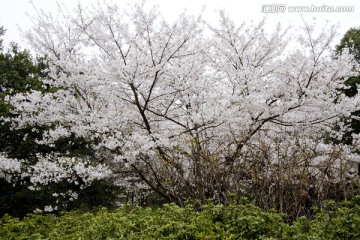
(14,13)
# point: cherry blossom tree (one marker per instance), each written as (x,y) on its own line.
(185,109)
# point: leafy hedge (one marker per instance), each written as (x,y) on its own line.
(337,221)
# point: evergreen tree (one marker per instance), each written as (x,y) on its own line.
(20,73)
(351,42)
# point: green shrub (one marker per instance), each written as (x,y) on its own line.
(211,221)
(336,221)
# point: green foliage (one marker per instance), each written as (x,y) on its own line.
(167,222)
(19,73)
(351,40)
(336,221)
(18,200)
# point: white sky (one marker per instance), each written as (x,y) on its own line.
(14,13)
